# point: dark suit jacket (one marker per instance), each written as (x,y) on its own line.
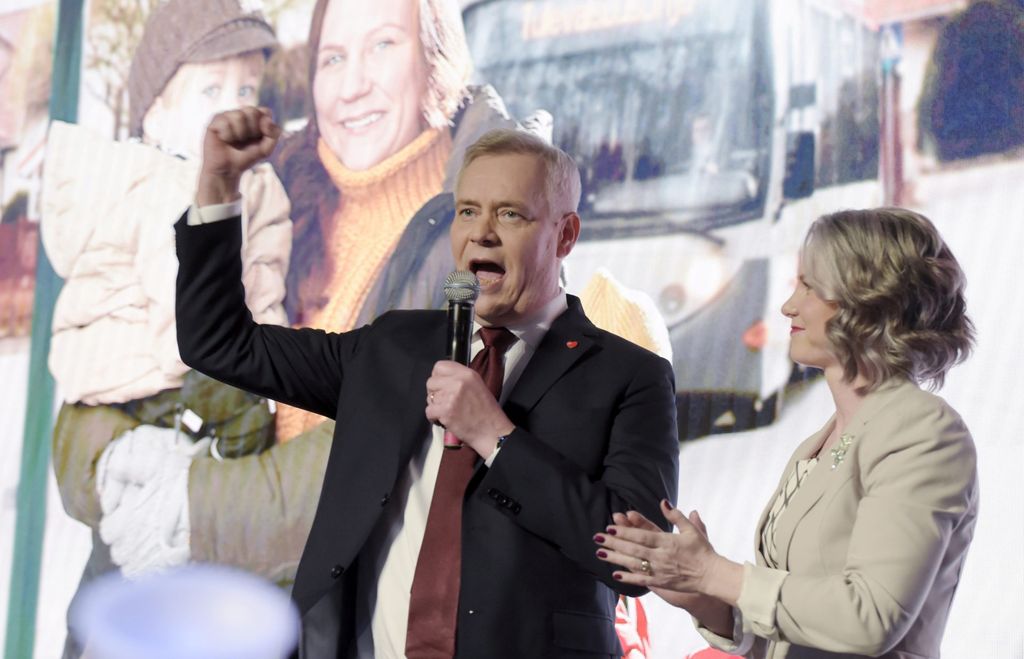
(595,433)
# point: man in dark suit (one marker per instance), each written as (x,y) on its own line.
(418,550)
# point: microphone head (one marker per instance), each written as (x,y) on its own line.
(461,286)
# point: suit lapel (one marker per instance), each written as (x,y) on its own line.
(570,337)
(414,425)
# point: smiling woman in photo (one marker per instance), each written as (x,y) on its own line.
(371,174)
(860,549)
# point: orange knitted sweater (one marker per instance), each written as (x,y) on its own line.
(376,206)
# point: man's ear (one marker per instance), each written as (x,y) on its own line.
(568,234)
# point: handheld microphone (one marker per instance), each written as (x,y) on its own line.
(461,289)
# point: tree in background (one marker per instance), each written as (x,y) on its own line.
(112,34)
(973,97)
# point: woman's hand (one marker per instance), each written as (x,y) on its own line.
(634,520)
(684,563)
(712,614)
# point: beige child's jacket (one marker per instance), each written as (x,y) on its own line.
(108,211)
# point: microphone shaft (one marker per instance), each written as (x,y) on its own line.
(459,346)
(460,332)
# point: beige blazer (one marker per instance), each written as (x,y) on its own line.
(872,544)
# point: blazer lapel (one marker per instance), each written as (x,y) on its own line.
(570,337)
(834,467)
(802,451)
(816,483)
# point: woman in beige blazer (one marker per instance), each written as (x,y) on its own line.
(860,549)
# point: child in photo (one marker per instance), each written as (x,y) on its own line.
(107,225)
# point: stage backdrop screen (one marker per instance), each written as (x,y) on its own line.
(708,136)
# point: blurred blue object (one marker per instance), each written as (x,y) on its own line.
(194,612)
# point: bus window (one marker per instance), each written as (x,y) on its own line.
(848,98)
(665,105)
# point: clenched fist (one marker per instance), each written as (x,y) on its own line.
(234,141)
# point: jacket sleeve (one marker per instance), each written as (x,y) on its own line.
(559,501)
(266,244)
(80,434)
(265,530)
(217,334)
(919,483)
(155,265)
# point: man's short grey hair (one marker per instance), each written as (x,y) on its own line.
(560,170)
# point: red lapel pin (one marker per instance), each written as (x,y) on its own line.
(571,344)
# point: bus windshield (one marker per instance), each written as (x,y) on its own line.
(665,104)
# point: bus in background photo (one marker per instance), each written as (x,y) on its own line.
(708,135)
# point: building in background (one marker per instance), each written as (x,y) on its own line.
(26,46)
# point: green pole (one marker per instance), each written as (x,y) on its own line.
(23,598)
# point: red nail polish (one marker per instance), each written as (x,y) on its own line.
(617,576)
(599,539)
(602,553)
(665,504)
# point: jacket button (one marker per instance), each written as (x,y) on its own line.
(384,499)
(336,571)
(493,493)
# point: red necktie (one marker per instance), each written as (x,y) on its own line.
(433,604)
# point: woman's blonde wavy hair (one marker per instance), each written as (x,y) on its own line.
(899,293)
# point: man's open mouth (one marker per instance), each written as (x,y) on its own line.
(488,272)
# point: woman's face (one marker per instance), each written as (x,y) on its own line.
(808,313)
(370,80)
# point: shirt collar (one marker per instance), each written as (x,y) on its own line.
(532,329)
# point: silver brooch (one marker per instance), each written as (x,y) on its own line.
(839,450)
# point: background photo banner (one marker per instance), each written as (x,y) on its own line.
(709,135)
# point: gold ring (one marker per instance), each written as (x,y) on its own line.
(645,566)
